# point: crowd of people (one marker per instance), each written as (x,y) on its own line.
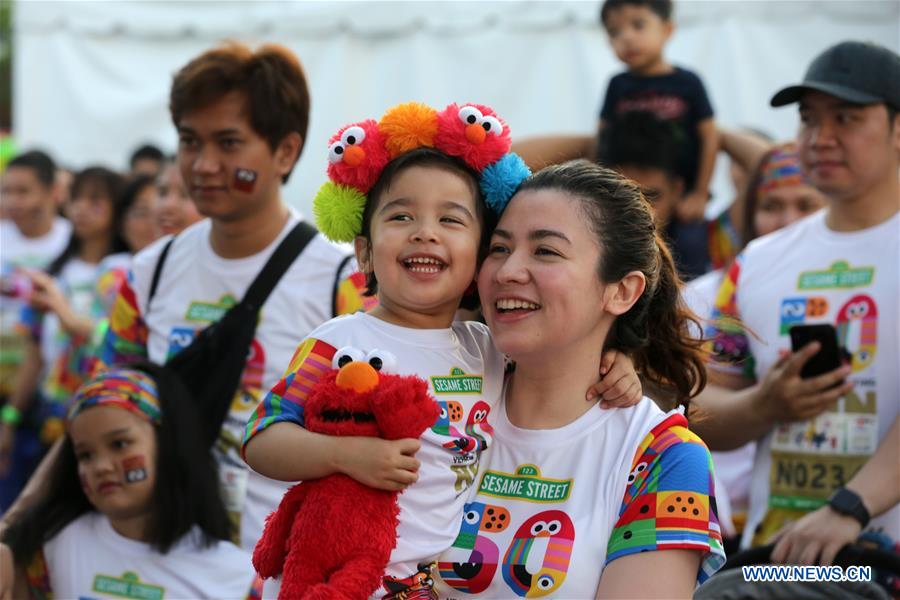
(623,385)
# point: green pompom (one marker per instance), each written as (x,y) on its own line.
(338,211)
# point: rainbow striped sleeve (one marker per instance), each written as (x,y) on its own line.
(125,338)
(351,296)
(669,499)
(284,402)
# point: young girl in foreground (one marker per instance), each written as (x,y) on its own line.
(423,226)
(133,507)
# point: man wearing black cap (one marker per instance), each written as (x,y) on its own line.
(826,466)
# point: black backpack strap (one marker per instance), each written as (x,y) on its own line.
(157,272)
(288,250)
(337,284)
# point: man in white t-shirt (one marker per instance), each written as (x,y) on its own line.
(826,463)
(32,236)
(242,118)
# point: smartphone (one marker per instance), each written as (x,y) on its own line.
(829,357)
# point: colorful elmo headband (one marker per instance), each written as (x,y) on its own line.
(358,153)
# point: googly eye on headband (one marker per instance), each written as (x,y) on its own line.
(359,152)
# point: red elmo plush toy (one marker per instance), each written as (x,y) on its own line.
(333,537)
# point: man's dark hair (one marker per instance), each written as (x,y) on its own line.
(40,162)
(639,139)
(147,151)
(271,80)
(662,8)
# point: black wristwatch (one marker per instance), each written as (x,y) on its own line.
(847,502)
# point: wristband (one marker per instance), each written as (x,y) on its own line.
(10,415)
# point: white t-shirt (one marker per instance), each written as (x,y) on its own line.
(548,511)
(89,559)
(18,251)
(35,253)
(733,468)
(196,288)
(465,374)
(807,273)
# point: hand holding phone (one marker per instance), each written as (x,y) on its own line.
(829,357)
(806,382)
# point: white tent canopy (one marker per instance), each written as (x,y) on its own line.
(91,78)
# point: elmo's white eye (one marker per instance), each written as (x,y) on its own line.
(538,527)
(345,355)
(353,135)
(492,125)
(336,153)
(382,360)
(470,115)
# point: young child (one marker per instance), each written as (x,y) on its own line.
(419,224)
(638,31)
(133,502)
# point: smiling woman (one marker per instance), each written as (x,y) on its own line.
(574,267)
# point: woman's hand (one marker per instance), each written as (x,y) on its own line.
(619,384)
(382,464)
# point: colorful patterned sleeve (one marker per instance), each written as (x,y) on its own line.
(350,294)
(125,338)
(724,240)
(285,401)
(37,577)
(729,347)
(670,499)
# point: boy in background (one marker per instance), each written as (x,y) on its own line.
(638,31)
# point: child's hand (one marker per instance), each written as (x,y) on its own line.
(619,385)
(381,464)
(46,296)
(692,207)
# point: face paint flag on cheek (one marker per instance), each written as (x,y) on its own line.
(244,180)
(134,468)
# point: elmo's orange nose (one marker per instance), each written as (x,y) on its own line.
(357,376)
(354,155)
(475,133)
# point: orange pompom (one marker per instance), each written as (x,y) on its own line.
(408,126)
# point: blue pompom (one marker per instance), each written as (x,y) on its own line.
(500,180)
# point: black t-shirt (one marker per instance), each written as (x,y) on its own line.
(678,97)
